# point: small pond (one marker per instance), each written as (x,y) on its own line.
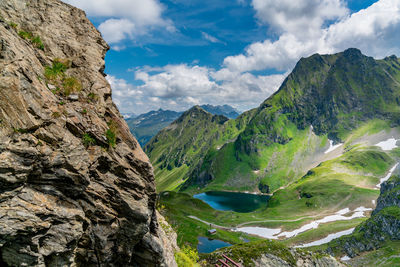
(239,202)
(209,245)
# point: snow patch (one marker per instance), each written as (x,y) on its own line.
(332,147)
(271,233)
(388,144)
(327,239)
(345,258)
(384,179)
(358,213)
(260,231)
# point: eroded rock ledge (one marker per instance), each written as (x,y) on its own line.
(71,193)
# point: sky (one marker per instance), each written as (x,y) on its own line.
(174,54)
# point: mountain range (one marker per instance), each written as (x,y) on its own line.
(318,147)
(332,94)
(147,125)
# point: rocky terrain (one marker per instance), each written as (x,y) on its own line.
(76,189)
(383,226)
(271,254)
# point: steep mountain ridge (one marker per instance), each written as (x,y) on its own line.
(329,94)
(75,187)
(333,93)
(147,125)
(184,144)
(325,97)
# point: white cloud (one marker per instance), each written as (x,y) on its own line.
(210,38)
(301,18)
(125,18)
(116,30)
(373,30)
(302,27)
(179,87)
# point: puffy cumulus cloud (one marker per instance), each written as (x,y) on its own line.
(125,18)
(176,81)
(301,18)
(116,30)
(374,30)
(179,87)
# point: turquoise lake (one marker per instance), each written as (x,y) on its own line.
(238,202)
(209,245)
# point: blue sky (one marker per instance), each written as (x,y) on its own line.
(173,54)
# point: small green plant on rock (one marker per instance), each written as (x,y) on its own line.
(88,140)
(25,35)
(92,97)
(111,134)
(13,25)
(187,257)
(55,74)
(71,85)
(56,70)
(35,40)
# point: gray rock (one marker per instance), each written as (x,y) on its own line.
(61,203)
(73,97)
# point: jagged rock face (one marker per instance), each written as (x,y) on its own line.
(63,203)
(390,194)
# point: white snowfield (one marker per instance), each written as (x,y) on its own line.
(332,147)
(345,258)
(389,144)
(260,231)
(327,239)
(271,233)
(384,179)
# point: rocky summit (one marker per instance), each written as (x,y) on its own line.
(76,189)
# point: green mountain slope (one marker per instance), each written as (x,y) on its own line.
(324,96)
(379,234)
(179,148)
(147,125)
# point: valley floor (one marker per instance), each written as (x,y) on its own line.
(331,200)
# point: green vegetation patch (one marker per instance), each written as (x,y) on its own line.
(187,257)
(88,140)
(63,83)
(176,207)
(34,39)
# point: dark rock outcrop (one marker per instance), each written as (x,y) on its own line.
(76,189)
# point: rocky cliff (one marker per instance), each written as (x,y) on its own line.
(75,187)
